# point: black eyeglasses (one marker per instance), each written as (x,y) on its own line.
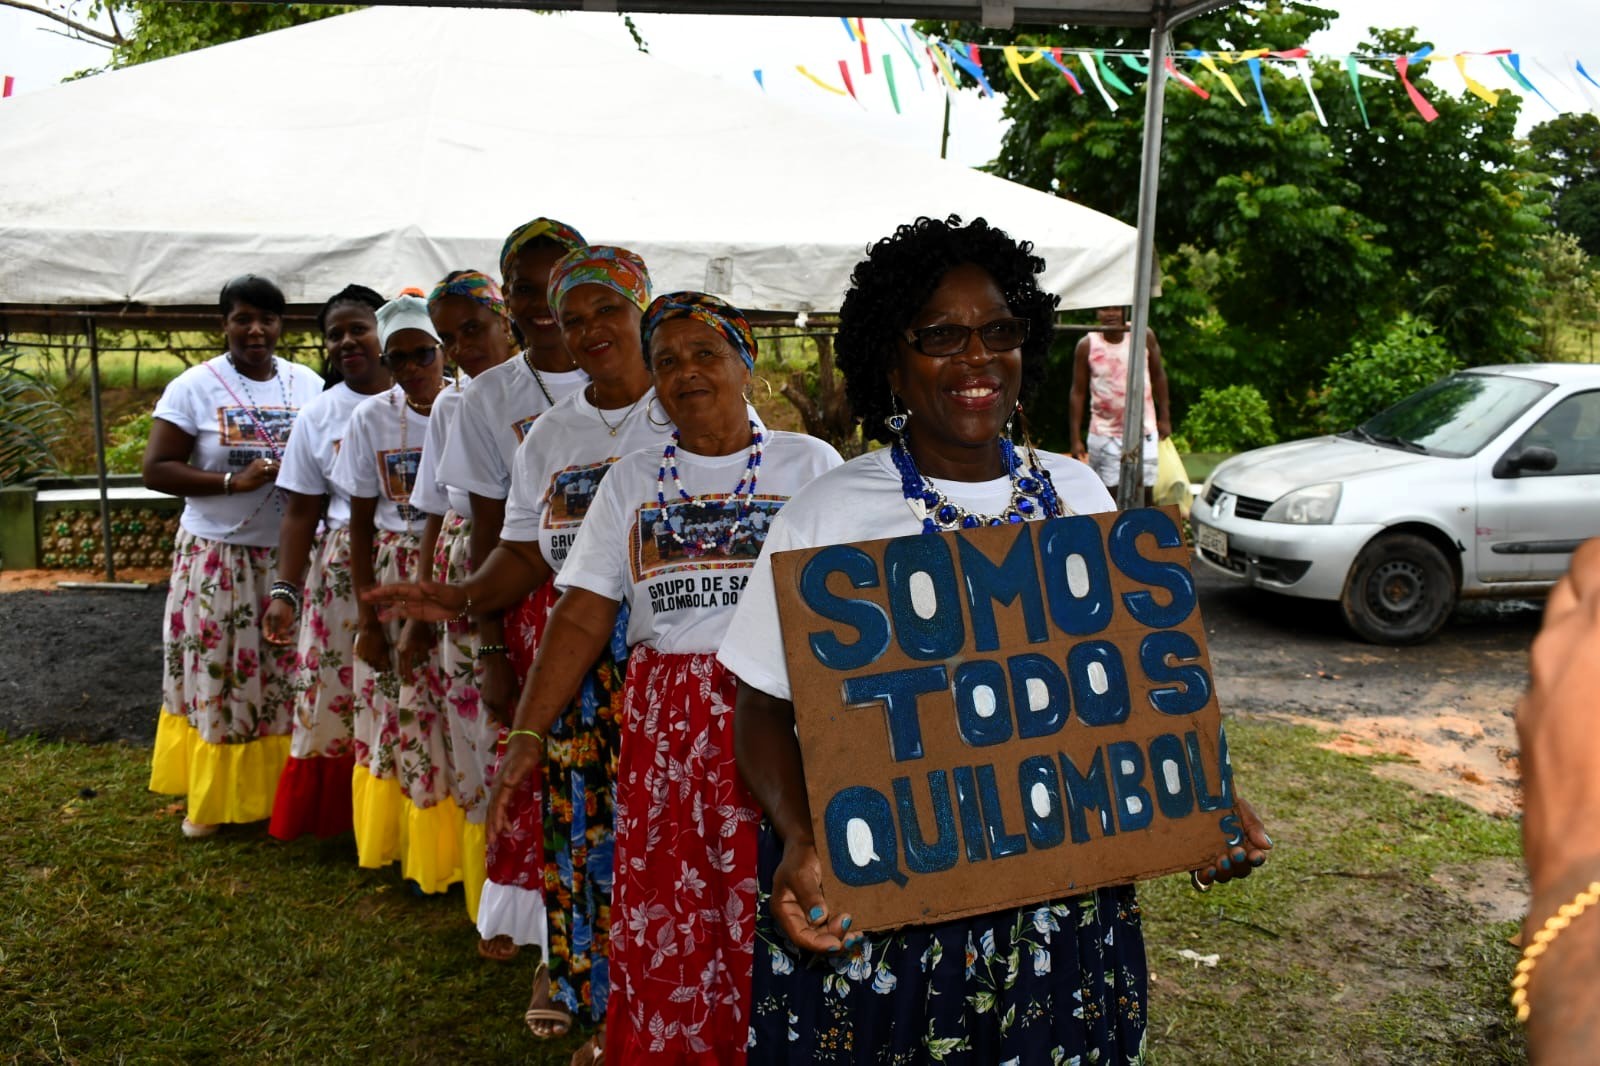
(419,357)
(1001,335)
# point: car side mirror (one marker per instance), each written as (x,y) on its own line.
(1532,459)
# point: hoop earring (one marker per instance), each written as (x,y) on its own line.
(898,419)
(649,414)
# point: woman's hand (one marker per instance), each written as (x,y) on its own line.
(280,624)
(416,642)
(523,755)
(798,906)
(260,472)
(498,688)
(1238,859)
(425,601)
(372,645)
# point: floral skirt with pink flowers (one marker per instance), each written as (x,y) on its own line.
(472,729)
(314,792)
(228,695)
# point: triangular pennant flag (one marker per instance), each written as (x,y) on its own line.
(1094,75)
(851,30)
(1227,82)
(1255,75)
(1292,53)
(970,64)
(1110,75)
(1135,64)
(1014,60)
(888,76)
(1185,81)
(942,64)
(844,72)
(1054,56)
(818,82)
(1420,102)
(866,56)
(1304,67)
(761,81)
(1516,66)
(1475,87)
(1354,70)
(1586,74)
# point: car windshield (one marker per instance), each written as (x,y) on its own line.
(1455,417)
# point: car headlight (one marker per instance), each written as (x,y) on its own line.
(1313,505)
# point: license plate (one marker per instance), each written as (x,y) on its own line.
(1214,541)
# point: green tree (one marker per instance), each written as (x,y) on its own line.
(1568,146)
(1282,244)
(1377,374)
(1570,291)
(162,28)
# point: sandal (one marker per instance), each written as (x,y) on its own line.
(590,1052)
(498,948)
(199,830)
(543,1020)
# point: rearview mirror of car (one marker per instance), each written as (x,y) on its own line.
(1533,459)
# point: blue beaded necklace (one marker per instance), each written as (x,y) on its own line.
(745,488)
(1032,493)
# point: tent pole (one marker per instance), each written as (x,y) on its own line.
(93,335)
(1130,484)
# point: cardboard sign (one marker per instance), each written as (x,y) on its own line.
(1004,716)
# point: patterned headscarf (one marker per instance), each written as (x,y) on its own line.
(618,269)
(475,286)
(561,233)
(720,315)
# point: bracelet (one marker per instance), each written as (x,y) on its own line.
(227,483)
(285,591)
(464,611)
(534,733)
(491,649)
(1541,942)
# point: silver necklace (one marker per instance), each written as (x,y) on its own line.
(595,400)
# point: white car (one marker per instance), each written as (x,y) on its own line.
(1480,485)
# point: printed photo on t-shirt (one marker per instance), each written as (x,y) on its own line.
(399,472)
(571,492)
(705,533)
(521,426)
(248,425)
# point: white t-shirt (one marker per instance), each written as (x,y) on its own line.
(431,495)
(682,595)
(863,500)
(381,454)
(313,447)
(560,463)
(496,414)
(235,421)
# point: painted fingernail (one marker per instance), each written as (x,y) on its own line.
(815,914)
(1259,860)
(1225,864)
(844,923)
(1268,839)
(1211,872)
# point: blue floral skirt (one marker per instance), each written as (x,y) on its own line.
(1054,983)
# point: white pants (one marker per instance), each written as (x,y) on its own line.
(1105,458)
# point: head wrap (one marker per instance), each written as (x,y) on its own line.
(559,232)
(475,286)
(720,315)
(403,312)
(617,269)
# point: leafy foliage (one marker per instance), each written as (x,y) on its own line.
(1377,374)
(126,444)
(1568,146)
(1570,289)
(1230,419)
(162,29)
(1280,243)
(31,421)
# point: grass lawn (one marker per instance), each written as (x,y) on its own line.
(120,942)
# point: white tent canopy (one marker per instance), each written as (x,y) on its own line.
(392,145)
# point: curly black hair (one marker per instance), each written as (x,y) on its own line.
(896,279)
(359,295)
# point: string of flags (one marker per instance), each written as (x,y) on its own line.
(941,60)
(7,83)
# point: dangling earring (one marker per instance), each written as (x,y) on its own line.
(649,413)
(897,420)
(1027,437)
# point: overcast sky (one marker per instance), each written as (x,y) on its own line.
(1545,32)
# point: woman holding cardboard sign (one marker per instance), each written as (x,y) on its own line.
(942,332)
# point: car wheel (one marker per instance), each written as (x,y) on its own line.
(1401,590)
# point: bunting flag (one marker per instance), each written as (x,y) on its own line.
(1476,88)
(1418,101)
(1303,65)
(1110,75)
(904,40)
(844,72)
(942,64)
(1227,82)
(851,30)
(1134,64)
(1586,74)
(966,63)
(1522,79)
(1254,63)
(888,76)
(1182,79)
(866,56)
(1094,75)
(1354,70)
(1054,56)
(819,83)
(1014,60)
(9,83)
(760,80)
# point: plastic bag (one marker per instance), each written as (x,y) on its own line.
(1172,480)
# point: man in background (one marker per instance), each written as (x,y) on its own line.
(1100,380)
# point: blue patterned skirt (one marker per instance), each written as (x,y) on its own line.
(1053,983)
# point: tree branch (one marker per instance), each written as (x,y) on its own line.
(68,21)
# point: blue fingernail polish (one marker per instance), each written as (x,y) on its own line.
(1225,864)
(1259,860)
(844,923)
(815,914)
(1211,872)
